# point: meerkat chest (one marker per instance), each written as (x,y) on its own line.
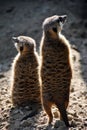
(55,57)
(55,53)
(25,65)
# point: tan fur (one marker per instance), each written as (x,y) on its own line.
(25,84)
(55,70)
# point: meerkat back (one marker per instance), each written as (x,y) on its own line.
(25,78)
(55,67)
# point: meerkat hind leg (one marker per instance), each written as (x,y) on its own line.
(47,107)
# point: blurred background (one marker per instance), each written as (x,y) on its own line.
(25,17)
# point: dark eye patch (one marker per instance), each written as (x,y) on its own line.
(21,48)
(55,29)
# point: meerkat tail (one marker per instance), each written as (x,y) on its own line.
(63,114)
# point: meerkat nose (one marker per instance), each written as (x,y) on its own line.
(15,39)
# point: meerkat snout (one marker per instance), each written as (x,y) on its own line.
(62,18)
(18,45)
(15,39)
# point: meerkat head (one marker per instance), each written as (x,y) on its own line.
(24,44)
(54,23)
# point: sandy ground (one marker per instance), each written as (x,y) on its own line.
(25,18)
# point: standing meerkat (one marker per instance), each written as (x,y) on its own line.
(25,84)
(55,70)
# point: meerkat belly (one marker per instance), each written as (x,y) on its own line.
(56,75)
(26,84)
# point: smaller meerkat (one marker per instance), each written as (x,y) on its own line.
(25,84)
(55,69)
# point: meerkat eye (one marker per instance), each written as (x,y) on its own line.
(54,29)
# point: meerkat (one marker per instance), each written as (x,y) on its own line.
(55,68)
(25,80)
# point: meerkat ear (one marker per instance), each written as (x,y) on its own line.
(15,39)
